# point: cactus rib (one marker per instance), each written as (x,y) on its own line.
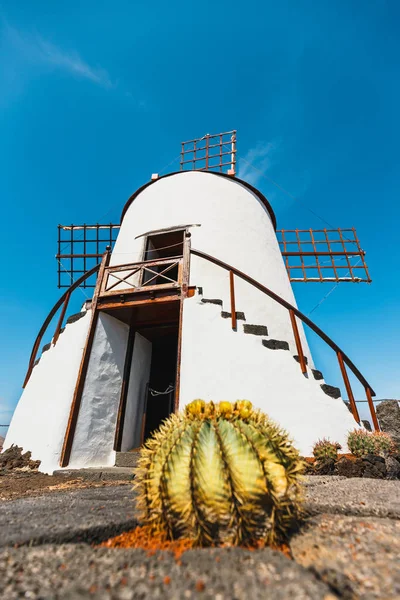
(219,474)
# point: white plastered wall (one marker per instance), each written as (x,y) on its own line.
(95,430)
(234,226)
(41,416)
(219,364)
(135,401)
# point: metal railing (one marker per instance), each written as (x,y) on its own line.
(294,312)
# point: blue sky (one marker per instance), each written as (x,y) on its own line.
(97,95)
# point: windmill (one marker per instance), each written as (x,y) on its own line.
(192,297)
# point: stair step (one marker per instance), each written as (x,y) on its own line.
(98,474)
(75,317)
(126,459)
(275,344)
(317,374)
(331,390)
(297,358)
(255,329)
(211,301)
(239,315)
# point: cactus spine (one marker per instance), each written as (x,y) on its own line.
(219,474)
(325,449)
(383,443)
(360,442)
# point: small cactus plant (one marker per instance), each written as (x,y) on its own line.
(360,442)
(219,474)
(383,443)
(325,449)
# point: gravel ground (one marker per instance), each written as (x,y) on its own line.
(19,484)
(95,514)
(358,496)
(84,515)
(343,550)
(77,571)
(358,557)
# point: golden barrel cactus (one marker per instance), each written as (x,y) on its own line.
(219,474)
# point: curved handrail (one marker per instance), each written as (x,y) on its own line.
(65,297)
(292,309)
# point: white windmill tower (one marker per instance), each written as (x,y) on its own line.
(193,301)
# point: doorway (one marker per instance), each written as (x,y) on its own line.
(160,398)
(148,393)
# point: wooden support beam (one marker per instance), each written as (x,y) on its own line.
(124,390)
(297,339)
(80,382)
(233,304)
(349,391)
(61,318)
(372,409)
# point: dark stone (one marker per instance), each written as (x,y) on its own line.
(200,291)
(339,582)
(75,317)
(12,458)
(371,472)
(239,315)
(388,413)
(297,358)
(275,344)
(347,467)
(308,468)
(255,329)
(62,330)
(348,406)
(330,390)
(211,301)
(375,467)
(46,347)
(366,424)
(374,459)
(392,468)
(325,467)
(36,362)
(317,374)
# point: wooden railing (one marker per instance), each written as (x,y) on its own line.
(294,312)
(151,275)
(148,277)
(63,301)
(162,273)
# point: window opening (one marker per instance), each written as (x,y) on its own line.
(163,246)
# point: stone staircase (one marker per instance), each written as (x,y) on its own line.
(72,319)
(127,459)
(272,344)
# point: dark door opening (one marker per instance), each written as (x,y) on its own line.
(161,389)
(163,246)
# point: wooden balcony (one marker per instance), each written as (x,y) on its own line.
(141,281)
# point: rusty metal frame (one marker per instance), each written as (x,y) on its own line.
(209,153)
(306,247)
(94,245)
